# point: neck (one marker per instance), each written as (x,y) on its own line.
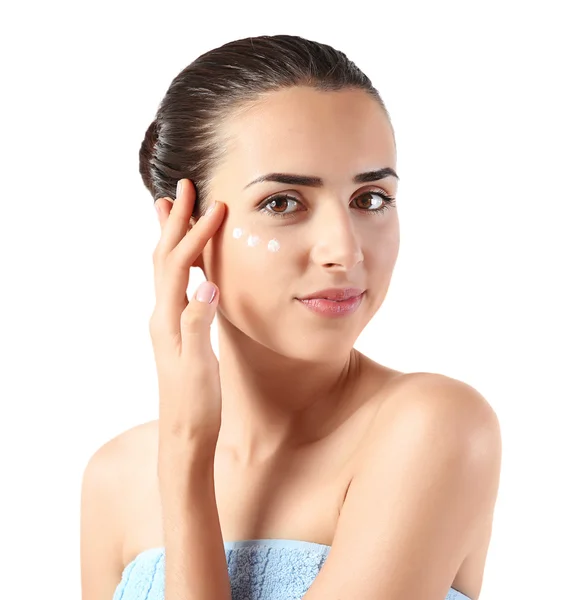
(273,403)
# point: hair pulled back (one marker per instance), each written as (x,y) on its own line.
(182,140)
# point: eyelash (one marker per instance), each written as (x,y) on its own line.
(389,201)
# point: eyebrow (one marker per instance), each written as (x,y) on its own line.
(318,182)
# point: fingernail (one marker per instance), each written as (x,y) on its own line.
(206,292)
(178,189)
(210,209)
(157,208)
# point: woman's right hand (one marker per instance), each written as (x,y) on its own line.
(187,369)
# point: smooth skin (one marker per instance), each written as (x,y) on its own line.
(190,399)
(398,472)
(190,403)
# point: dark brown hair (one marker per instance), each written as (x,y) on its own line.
(182,141)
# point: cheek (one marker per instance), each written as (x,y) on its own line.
(241,255)
(381,247)
(252,239)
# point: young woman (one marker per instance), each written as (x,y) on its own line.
(292,466)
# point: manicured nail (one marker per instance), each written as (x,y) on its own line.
(178,189)
(206,292)
(210,209)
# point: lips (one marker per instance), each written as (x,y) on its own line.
(335,294)
(333,308)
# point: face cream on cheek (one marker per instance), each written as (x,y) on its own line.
(253,240)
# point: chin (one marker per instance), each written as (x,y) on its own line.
(319,347)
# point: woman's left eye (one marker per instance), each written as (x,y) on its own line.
(385,202)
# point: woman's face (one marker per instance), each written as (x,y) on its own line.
(283,241)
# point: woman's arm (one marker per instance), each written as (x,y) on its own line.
(195,560)
(190,402)
(427,484)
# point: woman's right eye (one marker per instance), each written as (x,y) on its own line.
(277,203)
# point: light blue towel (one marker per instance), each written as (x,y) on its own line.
(258,570)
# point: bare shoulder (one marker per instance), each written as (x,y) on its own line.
(439,418)
(431,455)
(111,464)
(421,494)
(431,419)
(449,407)
(109,475)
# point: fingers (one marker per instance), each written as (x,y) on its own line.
(196,320)
(172,263)
(172,273)
(169,213)
(174,222)
(194,241)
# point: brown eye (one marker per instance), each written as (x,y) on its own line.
(278,205)
(365,202)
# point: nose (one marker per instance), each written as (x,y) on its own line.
(337,246)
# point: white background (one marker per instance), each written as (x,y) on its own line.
(488,103)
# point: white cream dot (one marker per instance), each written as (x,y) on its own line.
(273,245)
(253,240)
(237,233)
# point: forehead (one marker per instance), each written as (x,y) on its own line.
(314,132)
